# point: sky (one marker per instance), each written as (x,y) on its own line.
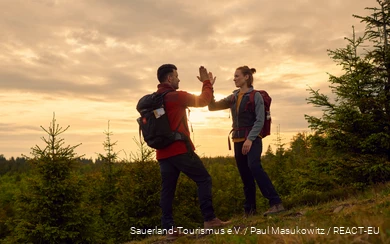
(89,61)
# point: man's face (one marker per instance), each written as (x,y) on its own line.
(173,79)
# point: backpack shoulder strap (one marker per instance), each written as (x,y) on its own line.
(178,135)
(251,102)
(266,98)
(252,96)
(162,95)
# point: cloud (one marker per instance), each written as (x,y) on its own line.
(10,128)
(92,60)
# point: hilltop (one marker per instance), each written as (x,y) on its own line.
(361,218)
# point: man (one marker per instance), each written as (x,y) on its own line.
(180,156)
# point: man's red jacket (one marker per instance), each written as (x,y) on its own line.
(176,103)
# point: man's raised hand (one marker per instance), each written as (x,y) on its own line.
(203,75)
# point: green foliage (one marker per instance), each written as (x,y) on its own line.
(308,172)
(227,186)
(108,188)
(10,185)
(355,127)
(359,118)
(106,192)
(144,154)
(138,198)
(13,166)
(99,203)
(51,209)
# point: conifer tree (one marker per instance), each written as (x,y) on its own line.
(357,122)
(279,144)
(108,192)
(50,210)
(108,167)
(144,154)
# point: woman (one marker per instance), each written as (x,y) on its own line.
(247,125)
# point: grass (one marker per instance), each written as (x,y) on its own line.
(362,218)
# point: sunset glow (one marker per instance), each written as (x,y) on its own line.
(90,61)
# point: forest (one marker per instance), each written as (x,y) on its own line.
(56,196)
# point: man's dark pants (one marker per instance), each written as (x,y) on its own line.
(251,171)
(191,165)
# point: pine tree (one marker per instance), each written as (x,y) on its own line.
(279,144)
(144,154)
(268,155)
(108,168)
(108,191)
(50,210)
(356,125)
(357,122)
(377,30)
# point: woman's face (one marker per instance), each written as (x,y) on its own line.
(240,79)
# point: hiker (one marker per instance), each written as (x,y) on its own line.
(247,125)
(180,156)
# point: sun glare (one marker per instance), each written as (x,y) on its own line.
(202,117)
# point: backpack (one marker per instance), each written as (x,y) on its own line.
(154,123)
(266,130)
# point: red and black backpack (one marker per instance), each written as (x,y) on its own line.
(266,131)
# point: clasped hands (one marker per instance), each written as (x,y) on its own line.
(203,75)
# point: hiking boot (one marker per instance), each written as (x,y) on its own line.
(277,208)
(214,223)
(171,236)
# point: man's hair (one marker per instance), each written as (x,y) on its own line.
(164,70)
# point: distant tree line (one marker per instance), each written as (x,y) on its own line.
(59,199)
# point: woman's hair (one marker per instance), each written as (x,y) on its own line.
(245,70)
